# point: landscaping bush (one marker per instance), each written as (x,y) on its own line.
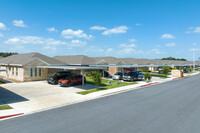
(96,77)
(147,76)
(166,70)
(190,70)
(88,75)
(175,68)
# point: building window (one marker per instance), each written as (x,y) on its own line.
(16,71)
(12,70)
(31,72)
(40,72)
(35,71)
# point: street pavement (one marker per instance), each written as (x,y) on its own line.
(170,107)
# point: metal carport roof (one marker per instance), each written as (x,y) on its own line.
(74,67)
(130,66)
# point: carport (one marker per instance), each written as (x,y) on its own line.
(140,65)
(81,68)
(129,66)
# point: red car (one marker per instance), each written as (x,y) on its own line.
(71,80)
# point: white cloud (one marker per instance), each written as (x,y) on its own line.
(19,23)
(34,40)
(167,36)
(98,28)
(50,48)
(48,42)
(193,30)
(1,35)
(138,24)
(77,43)
(155,51)
(69,34)
(52,29)
(194,49)
(109,50)
(132,40)
(2,26)
(127,45)
(127,50)
(116,30)
(170,44)
(197,30)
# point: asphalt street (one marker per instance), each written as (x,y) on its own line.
(171,107)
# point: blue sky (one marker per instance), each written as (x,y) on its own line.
(120,28)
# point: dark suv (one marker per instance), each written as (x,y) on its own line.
(59,75)
(133,75)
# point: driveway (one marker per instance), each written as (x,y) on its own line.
(38,95)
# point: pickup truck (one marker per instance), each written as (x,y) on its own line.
(133,75)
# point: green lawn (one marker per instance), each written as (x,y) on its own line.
(104,85)
(4,107)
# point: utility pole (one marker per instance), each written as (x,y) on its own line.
(193,59)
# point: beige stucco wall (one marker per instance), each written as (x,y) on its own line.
(27,71)
(153,69)
(11,72)
(3,73)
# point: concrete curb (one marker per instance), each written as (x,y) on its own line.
(149,84)
(8,116)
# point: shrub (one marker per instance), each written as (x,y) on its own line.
(147,76)
(88,75)
(96,77)
(174,68)
(190,70)
(166,70)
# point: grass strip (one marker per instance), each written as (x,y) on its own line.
(104,85)
(4,107)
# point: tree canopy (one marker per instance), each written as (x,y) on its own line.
(6,54)
(172,58)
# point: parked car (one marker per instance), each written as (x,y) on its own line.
(160,71)
(59,75)
(185,71)
(106,74)
(117,76)
(71,80)
(133,75)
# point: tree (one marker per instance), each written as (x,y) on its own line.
(6,54)
(166,70)
(96,77)
(172,58)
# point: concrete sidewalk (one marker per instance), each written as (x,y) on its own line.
(49,101)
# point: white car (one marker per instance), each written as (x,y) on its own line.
(117,76)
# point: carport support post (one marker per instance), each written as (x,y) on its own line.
(103,73)
(83,74)
(122,72)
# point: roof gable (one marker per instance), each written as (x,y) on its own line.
(23,59)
